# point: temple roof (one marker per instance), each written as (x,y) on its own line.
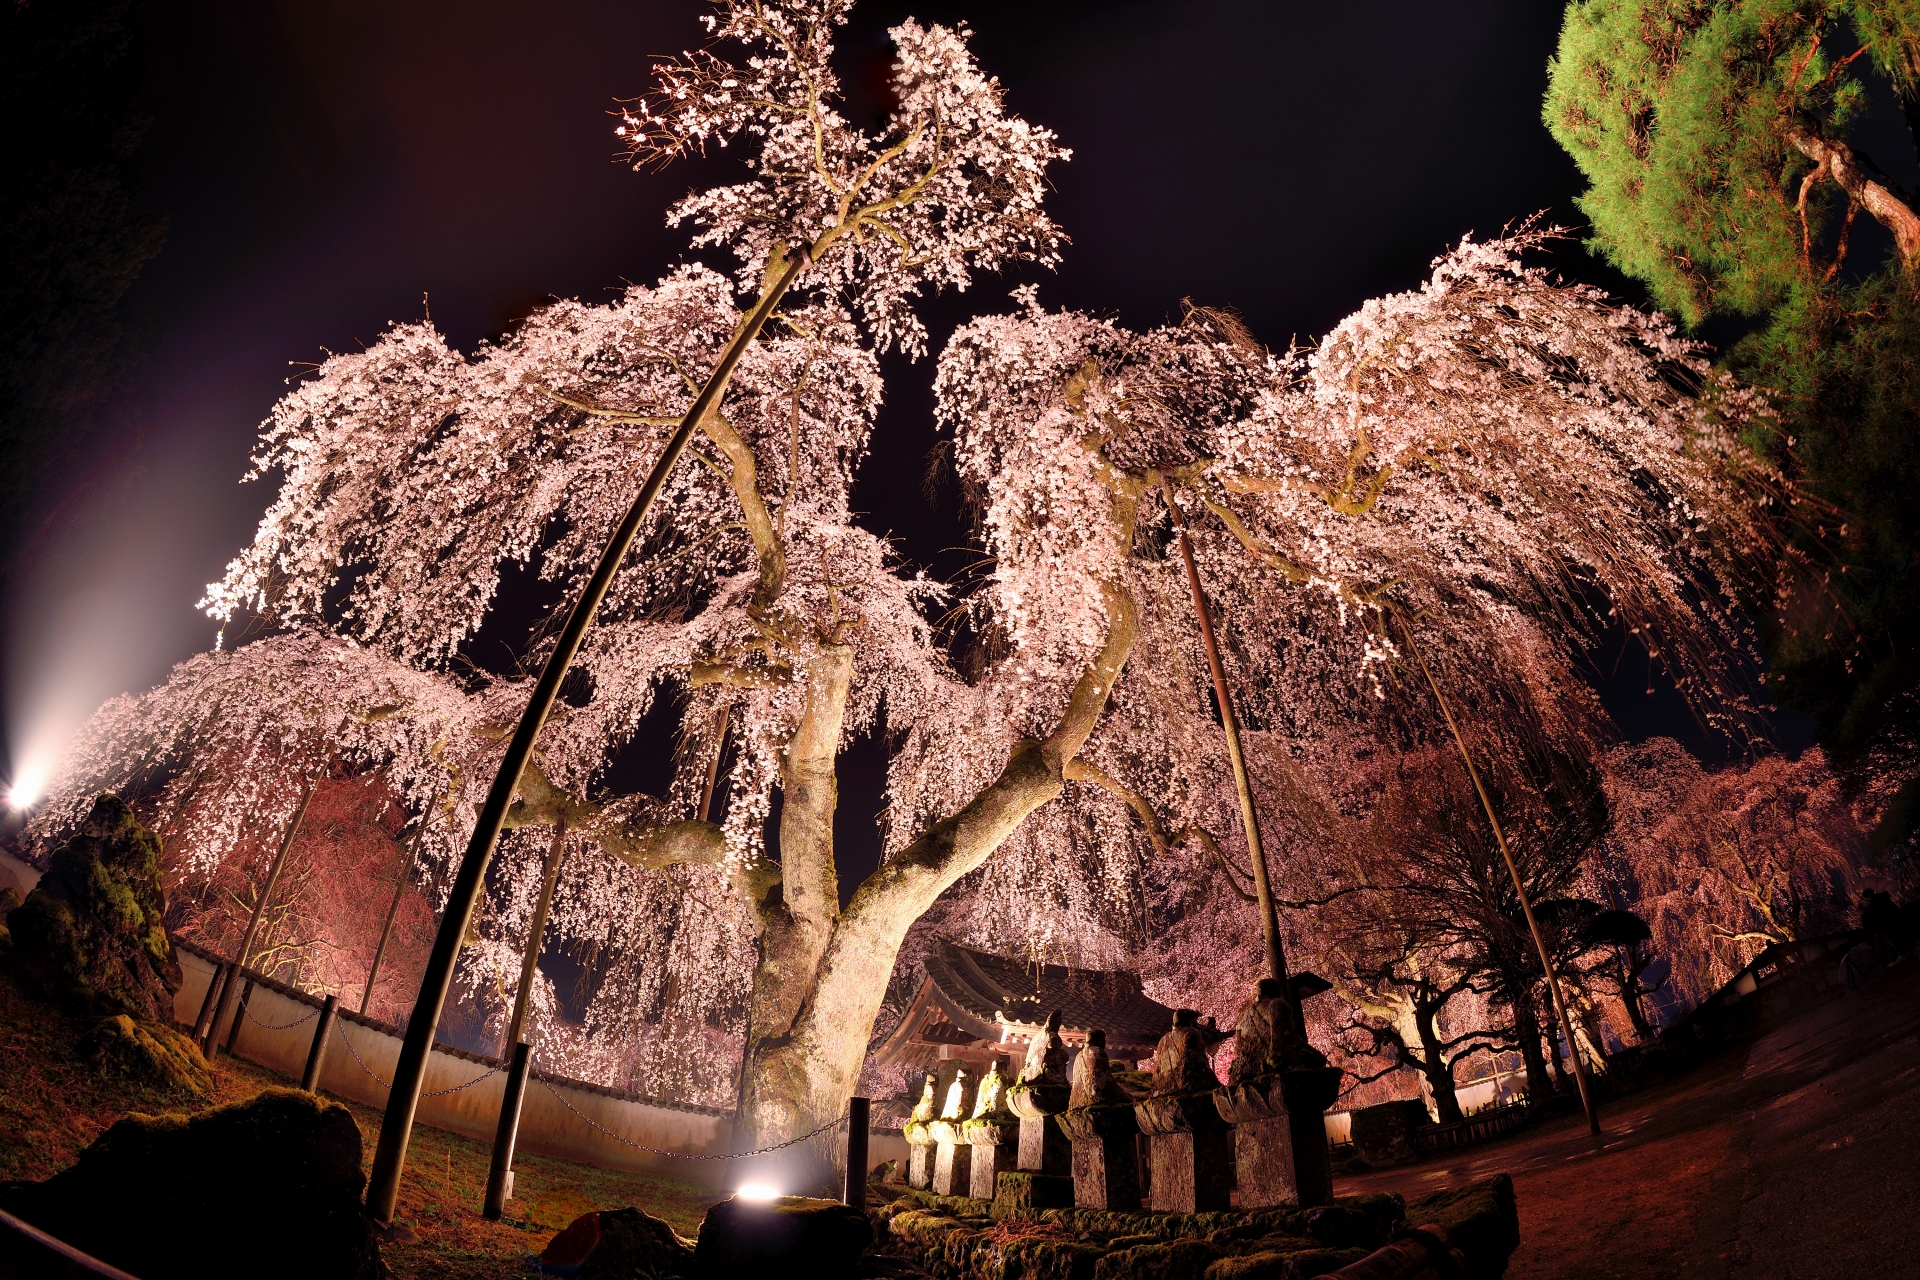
(972,1003)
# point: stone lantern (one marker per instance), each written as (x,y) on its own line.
(1190,1145)
(1100,1122)
(920,1141)
(1276,1096)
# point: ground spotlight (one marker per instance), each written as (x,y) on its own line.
(756,1191)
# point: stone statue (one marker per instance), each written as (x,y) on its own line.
(1268,1039)
(923,1110)
(1189,1144)
(1180,1062)
(956,1104)
(1046,1061)
(1093,1082)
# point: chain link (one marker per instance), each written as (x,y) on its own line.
(437,1093)
(684,1155)
(285,1026)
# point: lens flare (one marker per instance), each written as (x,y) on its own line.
(27,785)
(756,1191)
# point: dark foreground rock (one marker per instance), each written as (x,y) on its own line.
(791,1236)
(90,936)
(1482,1220)
(618,1244)
(955,1238)
(270,1186)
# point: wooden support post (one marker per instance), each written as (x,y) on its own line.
(859,1118)
(1242,782)
(1526,904)
(310,1080)
(536,933)
(393,909)
(403,1098)
(208,1003)
(500,1176)
(239,1016)
(260,906)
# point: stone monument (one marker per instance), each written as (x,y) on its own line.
(952,1154)
(920,1141)
(1038,1096)
(993,1132)
(1190,1145)
(1100,1122)
(1276,1096)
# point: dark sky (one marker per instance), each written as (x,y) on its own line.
(325,165)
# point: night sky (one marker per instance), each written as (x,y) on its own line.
(327,166)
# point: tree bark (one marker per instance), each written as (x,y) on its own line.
(1435,1067)
(1862,183)
(800,1079)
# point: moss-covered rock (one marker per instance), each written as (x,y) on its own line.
(91,937)
(147,1052)
(618,1244)
(1164,1260)
(270,1186)
(789,1236)
(1482,1219)
(1302,1264)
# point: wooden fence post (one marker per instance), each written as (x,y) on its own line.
(859,1118)
(310,1081)
(500,1176)
(239,1016)
(201,1024)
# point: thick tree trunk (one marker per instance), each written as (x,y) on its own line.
(1526,1029)
(1436,1068)
(800,1077)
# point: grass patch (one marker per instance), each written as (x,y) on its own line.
(53,1104)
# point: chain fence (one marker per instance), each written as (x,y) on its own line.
(435,1093)
(285,1026)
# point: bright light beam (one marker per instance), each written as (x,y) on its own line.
(27,785)
(756,1191)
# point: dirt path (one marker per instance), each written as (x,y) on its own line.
(1797,1157)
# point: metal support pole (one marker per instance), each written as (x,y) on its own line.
(859,1119)
(500,1176)
(208,1003)
(403,1099)
(260,906)
(393,909)
(1249,819)
(310,1079)
(1526,905)
(536,933)
(239,1016)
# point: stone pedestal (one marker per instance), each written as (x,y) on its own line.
(1043,1148)
(996,1150)
(952,1160)
(1106,1164)
(1280,1137)
(919,1158)
(1190,1153)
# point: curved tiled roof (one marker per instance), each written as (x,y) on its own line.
(980,992)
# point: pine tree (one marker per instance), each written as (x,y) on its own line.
(1719,141)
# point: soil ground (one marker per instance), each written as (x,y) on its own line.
(1793,1156)
(52,1105)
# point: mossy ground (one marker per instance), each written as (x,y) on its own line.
(53,1103)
